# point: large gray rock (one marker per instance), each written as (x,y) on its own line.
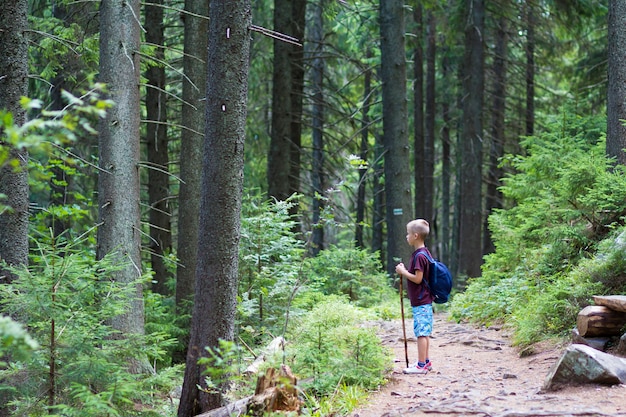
(580,364)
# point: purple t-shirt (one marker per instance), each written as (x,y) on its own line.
(419,294)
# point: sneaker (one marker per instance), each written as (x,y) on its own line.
(429,365)
(416,369)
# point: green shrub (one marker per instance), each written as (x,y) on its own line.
(82,366)
(553,245)
(270,264)
(344,399)
(333,345)
(551,310)
(355,273)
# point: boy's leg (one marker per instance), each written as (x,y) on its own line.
(422,348)
(422,328)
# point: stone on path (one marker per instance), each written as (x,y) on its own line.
(580,364)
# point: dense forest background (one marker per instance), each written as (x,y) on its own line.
(184,181)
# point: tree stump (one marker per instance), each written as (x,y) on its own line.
(275,391)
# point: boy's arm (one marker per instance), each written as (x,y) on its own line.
(416,277)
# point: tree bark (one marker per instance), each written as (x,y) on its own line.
(13,181)
(530,69)
(616,96)
(446,165)
(317,133)
(428,168)
(418,112)
(471,217)
(363,154)
(279,156)
(215,299)
(118,179)
(296,59)
(194,91)
(378,191)
(156,141)
(395,131)
(496,151)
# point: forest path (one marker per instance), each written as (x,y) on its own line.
(476,372)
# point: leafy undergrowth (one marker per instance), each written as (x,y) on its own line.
(560,241)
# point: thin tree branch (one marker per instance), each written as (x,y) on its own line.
(173,125)
(150,165)
(275,35)
(73,155)
(176,9)
(160,61)
(168,93)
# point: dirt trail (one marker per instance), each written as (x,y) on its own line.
(476,372)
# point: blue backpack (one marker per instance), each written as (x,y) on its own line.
(439,279)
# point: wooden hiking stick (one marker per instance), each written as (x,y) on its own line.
(406,350)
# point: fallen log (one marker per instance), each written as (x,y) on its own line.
(614,302)
(238,408)
(595,321)
(275,346)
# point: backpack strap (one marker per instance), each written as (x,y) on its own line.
(425,253)
(425,274)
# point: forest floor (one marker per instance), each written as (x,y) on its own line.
(476,372)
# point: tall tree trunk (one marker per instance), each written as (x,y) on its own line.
(279,158)
(194,91)
(317,133)
(363,154)
(378,192)
(13,181)
(446,169)
(215,299)
(428,167)
(530,69)
(156,141)
(496,151)
(470,250)
(395,131)
(455,238)
(616,106)
(118,179)
(296,59)
(418,112)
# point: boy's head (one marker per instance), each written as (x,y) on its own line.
(419,227)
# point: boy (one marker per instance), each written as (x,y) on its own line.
(419,294)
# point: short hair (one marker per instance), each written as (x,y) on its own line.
(419,226)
